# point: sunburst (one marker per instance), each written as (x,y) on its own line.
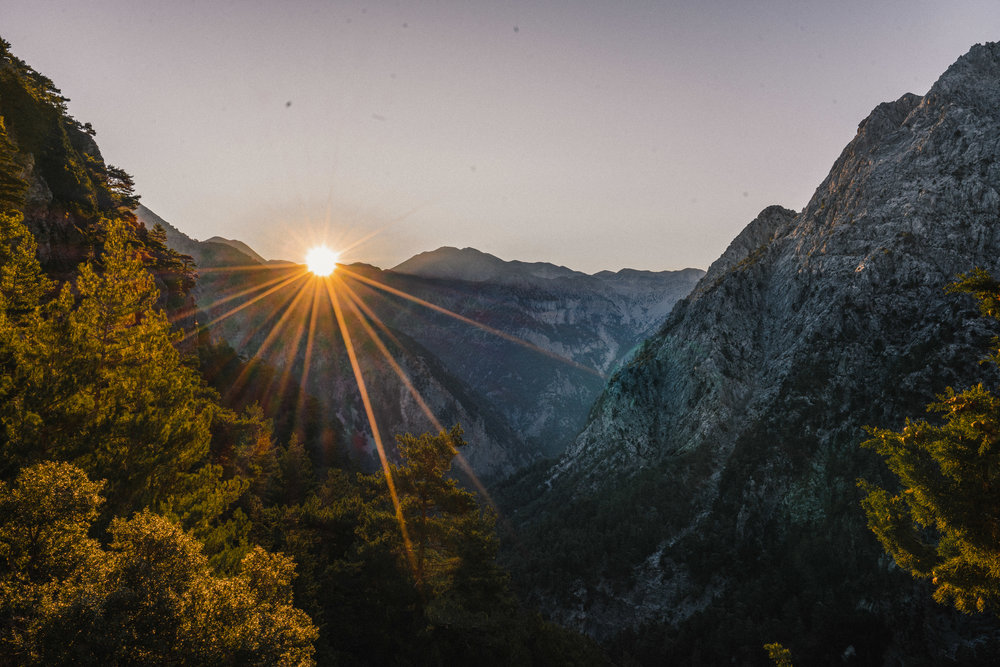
(299,304)
(322,261)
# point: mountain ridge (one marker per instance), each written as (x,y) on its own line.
(734,431)
(520,398)
(473,265)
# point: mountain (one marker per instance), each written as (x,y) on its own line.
(240,246)
(53,173)
(476,266)
(643,298)
(521,384)
(215,252)
(710,505)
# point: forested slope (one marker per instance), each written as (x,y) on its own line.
(146,518)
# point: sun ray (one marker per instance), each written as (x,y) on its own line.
(276,309)
(307,357)
(269,339)
(356,304)
(356,307)
(369,313)
(472,322)
(395,221)
(244,292)
(292,350)
(236,268)
(188,312)
(245,304)
(366,401)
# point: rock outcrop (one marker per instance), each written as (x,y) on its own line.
(716,476)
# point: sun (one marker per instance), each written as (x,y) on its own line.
(321,260)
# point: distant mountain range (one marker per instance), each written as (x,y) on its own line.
(521,387)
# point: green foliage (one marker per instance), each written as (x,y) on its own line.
(981,285)
(97,380)
(439,599)
(255,385)
(13,186)
(944,525)
(22,284)
(93,378)
(47,512)
(294,479)
(150,597)
(779,655)
(203,502)
(435,509)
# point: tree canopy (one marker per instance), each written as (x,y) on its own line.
(150,596)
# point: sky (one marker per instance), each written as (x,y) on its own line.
(591,134)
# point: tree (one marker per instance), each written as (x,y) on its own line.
(450,555)
(22,283)
(436,511)
(944,525)
(13,186)
(95,379)
(44,518)
(779,655)
(150,597)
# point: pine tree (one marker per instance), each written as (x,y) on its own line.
(22,283)
(13,186)
(94,378)
(452,548)
(944,524)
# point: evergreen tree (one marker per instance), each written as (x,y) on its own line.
(944,524)
(294,480)
(149,598)
(13,186)
(22,283)
(94,378)
(126,409)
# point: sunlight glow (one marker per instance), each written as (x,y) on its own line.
(321,260)
(370,412)
(292,315)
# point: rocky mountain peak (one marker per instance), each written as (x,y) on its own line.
(971,81)
(734,433)
(753,239)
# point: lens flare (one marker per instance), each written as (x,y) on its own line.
(298,310)
(321,260)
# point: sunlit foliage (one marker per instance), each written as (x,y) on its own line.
(944,524)
(149,597)
(96,379)
(133,497)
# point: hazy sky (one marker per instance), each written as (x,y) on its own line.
(597,135)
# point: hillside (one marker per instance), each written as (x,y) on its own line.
(710,503)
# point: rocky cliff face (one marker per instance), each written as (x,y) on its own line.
(728,448)
(594,322)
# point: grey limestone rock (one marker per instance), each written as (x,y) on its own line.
(750,400)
